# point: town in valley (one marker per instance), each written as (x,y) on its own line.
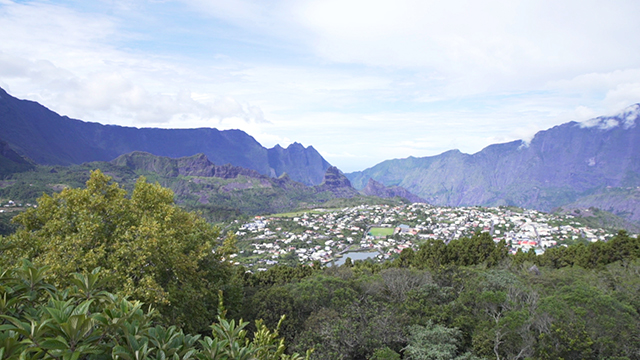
(381,232)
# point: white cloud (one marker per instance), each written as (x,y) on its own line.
(623,95)
(477,46)
(627,118)
(361,81)
(74,65)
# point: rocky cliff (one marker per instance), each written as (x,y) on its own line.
(11,162)
(196,165)
(305,165)
(375,188)
(335,182)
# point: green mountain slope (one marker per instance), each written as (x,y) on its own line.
(219,192)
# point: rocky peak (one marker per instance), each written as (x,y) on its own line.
(196,165)
(51,139)
(7,152)
(333,177)
(303,164)
(335,181)
(229,171)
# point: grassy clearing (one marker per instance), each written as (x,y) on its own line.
(380,231)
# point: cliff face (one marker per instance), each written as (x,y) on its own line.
(11,162)
(196,165)
(51,139)
(559,166)
(305,165)
(375,188)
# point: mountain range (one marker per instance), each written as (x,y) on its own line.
(591,164)
(50,139)
(571,166)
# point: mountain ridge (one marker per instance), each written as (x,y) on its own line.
(557,167)
(51,139)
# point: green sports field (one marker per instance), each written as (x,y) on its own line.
(381,231)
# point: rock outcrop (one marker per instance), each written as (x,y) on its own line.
(196,165)
(11,162)
(338,184)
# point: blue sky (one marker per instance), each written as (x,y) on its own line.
(361,81)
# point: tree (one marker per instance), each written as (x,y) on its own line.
(385,354)
(434,342)
(583,319)
(152,250)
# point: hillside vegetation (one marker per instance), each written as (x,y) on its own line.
(219,193)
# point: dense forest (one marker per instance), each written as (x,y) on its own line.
(101,272)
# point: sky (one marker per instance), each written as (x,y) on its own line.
(360,81)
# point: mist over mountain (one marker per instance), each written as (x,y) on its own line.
(48,138)
(558,166)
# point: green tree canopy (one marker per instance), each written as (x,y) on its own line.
(38,321)
(152,250)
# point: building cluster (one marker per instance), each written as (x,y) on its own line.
(11,205)
(384,231)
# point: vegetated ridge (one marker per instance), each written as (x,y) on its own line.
(591,164)
(50,139)
(220,192)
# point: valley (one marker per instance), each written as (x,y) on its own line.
(319,180)
(325,235)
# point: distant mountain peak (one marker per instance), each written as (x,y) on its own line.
(296,157)
(559,166)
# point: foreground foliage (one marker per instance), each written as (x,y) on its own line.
(474,302)
(152,250)
(37,321)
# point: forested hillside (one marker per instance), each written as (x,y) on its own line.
(468,299)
